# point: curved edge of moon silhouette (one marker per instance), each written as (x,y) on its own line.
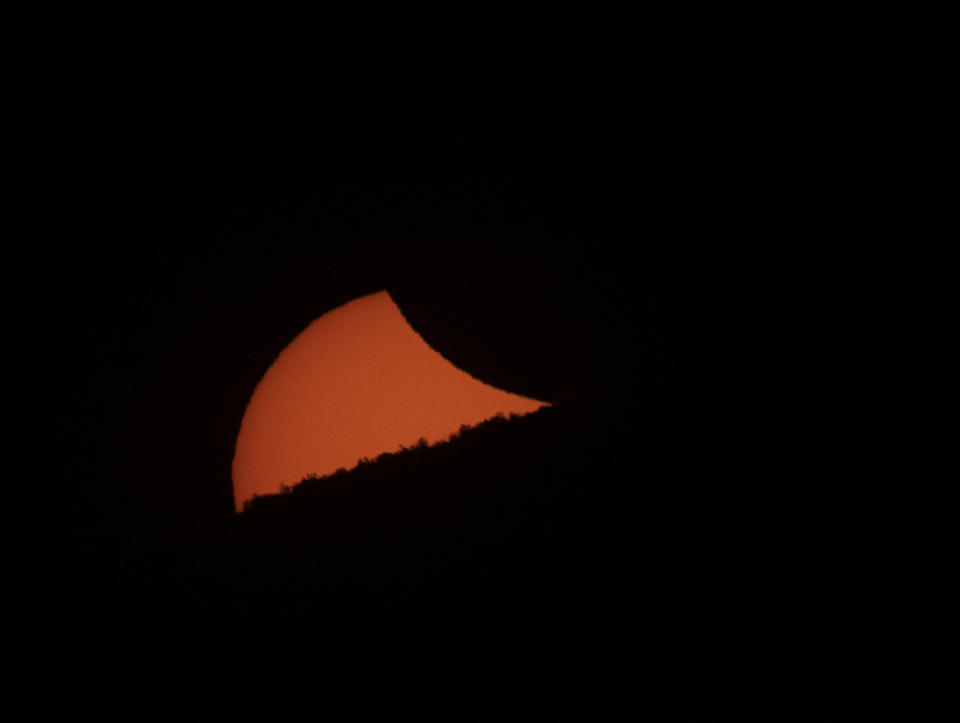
(357,382)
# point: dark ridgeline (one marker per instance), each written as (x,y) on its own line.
(740,486)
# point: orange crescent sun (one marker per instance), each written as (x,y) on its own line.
(357,382)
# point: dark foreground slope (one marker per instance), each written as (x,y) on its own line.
(621,532)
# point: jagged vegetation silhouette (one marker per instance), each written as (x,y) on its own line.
(343,475)
(491,496)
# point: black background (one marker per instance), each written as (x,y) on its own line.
(731,233)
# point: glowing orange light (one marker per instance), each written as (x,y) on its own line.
(359,381)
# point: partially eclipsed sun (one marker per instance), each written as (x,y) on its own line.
(357,382)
